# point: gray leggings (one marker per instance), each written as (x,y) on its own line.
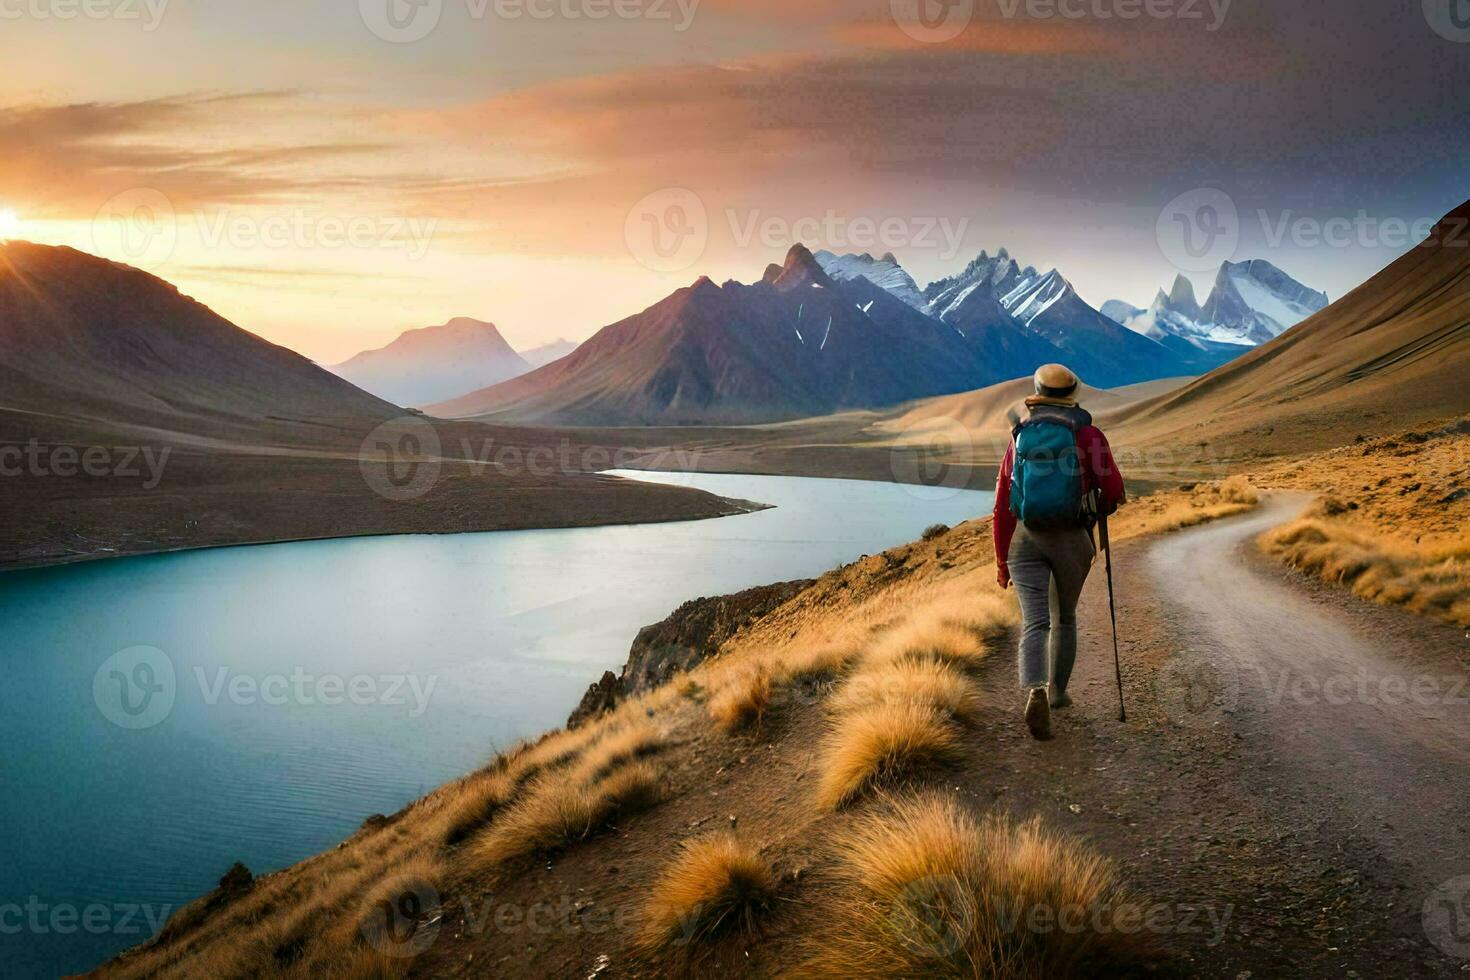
(1048,569)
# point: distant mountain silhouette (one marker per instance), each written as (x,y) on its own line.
(433,364)
(546,353)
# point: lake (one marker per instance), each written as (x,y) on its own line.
(168,715)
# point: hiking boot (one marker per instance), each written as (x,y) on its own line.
(1060,698)
(1038,714)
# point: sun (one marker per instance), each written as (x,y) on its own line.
(9,224)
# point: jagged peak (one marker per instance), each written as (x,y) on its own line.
(801,269)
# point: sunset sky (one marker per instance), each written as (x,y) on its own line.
(328,174)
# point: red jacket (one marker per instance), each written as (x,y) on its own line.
(1099,471)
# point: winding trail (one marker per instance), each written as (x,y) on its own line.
(1367,721)
(1293,781)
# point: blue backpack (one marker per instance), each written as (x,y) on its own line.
(1046,479)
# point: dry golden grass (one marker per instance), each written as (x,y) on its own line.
(930,635)
(556,811)
(1429,579)
(395,913)
(880,743)
(715,884)
(908,681)
(929,890)
(1174,510)
(622,744)
(478,799)
(744,698)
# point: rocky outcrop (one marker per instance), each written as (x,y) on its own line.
(690,635)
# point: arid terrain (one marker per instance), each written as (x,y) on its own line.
(733,818)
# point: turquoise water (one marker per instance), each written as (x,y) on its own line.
(168,715)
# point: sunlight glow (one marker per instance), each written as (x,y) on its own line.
(9,224)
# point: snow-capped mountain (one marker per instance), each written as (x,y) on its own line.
(884,273)
(1018,315)
(1251,303)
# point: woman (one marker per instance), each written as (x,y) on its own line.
(1057,476)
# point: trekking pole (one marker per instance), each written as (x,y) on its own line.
(1102,524)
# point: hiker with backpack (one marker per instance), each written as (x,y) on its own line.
(1057,479)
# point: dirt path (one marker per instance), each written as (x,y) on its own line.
(1293,784)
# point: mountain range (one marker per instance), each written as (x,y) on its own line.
(823,333)
(1251,303)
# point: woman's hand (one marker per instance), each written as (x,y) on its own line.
(1003,576)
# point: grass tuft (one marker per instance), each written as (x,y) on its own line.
(556,811)
(928,890)
(743,700)
(716,884)
(908,681)
(479,798)
(880,743)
